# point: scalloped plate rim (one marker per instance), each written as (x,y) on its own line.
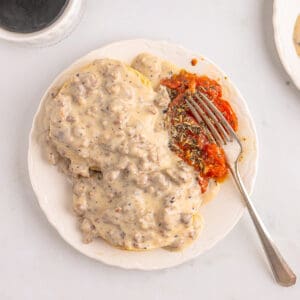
(124,265)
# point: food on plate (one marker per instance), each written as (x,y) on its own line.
(194,61)
(188,138)
(133,153)
(296,36)
(154,68)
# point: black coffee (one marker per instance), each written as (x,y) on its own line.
(27,16)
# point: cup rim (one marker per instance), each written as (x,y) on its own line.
(25,37)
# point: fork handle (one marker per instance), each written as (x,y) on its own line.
(281,270)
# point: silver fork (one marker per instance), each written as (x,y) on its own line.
(222,134)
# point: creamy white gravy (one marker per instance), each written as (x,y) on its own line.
(105,128)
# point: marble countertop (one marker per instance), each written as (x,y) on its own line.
(35,263)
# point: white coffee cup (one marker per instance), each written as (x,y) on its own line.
(52,34)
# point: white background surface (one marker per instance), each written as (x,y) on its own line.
(35,263)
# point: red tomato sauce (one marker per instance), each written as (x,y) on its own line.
(194,61)
(188,139)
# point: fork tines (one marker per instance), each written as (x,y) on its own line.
(205,111)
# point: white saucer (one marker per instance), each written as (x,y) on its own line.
(284,17)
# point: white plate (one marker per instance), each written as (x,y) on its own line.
(53,191)
(285,13)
